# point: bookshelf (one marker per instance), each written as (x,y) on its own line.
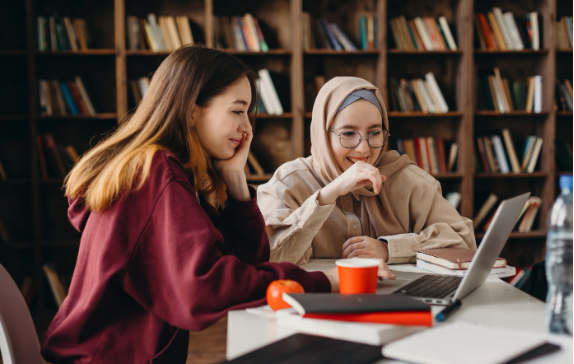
(35,210)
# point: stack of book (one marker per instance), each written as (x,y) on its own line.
(498,31)
(523,224)
(138,89)
(495,94)
(270,102)
(417,95)
(55,160)
(521,277)
(564,33)
(453,198)
(61,98)
(563,95)
(429,153)
(563,154)
(422,34)
(456,261)
(322,34)
(63,34)
(498,155)
(164,35)
(239,33)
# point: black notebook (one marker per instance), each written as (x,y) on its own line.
(309,349)
(354,303)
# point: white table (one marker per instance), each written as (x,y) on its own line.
(495,304)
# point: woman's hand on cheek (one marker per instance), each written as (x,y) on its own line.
(365,247)
(233,170)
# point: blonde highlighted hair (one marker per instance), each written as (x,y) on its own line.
(120,163)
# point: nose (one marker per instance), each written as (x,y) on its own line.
(245,125)
(363,146)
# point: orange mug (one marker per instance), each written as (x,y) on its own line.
(357,275)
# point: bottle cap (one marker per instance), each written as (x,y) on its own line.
(566,182)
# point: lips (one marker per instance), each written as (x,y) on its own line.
(235,141)
(354,160)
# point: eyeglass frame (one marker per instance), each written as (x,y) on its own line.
(361,139)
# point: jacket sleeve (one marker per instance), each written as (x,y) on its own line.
(435,224)
(292,222)
(177,269)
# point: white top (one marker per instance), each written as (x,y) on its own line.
(495,304)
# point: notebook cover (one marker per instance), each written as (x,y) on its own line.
(327,303)
(394,318)
(452,254)
(310,349)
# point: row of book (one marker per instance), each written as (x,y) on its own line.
(563,95)
(138,89)
(165,34)
(61,98)
(564,33)
(498,31)
(524,223)
(417,95)
(498,155)
(322,34)
(63,34)
(239,33)
(496,94)
(429,153)
(55,160)
(563,154)
(422,34)
(270,102)
(521,278)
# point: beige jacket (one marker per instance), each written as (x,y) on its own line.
(299,229)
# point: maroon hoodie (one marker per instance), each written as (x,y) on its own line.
(157,264)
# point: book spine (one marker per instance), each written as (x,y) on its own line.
(69,99)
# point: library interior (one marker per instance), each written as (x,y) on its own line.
(476,98)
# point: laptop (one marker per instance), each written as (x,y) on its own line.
(441,289)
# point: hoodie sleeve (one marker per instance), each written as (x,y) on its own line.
(434,222)
(177,269)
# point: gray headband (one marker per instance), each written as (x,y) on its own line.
(368,95)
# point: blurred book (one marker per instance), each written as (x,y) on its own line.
(158,34)
(62,98)
(505,31)
(417,95)
(57,33)
(422,34)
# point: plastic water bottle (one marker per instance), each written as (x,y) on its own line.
(559,262)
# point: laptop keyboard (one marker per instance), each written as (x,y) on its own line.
(431,286)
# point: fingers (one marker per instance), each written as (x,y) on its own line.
(356,239)
(358,253)
(385,271)
(353,247)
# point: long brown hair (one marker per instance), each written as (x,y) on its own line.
(189,76)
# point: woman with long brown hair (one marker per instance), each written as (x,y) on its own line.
(156,258)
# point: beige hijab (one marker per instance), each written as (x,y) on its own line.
(323,165)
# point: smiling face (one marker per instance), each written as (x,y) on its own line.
(220,125)
(360,116)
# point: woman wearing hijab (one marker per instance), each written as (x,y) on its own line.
(351,198)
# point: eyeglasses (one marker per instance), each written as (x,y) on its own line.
(350,138)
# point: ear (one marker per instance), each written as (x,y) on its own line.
(193,114)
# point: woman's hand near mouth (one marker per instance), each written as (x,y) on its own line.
(233,169)
(359,175)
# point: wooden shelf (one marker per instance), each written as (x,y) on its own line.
(517,235)
(483,113)
(330,52)
(564,51)
(271,52)
(102,116)
(89,52)
(396,52)
(401,114)
(286,115)
(564,113)
(512,175)
(448,176)
(563,173)
(13,117)
(256,178)
(513,53)
(13,53)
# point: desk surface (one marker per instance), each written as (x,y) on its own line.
(494,304)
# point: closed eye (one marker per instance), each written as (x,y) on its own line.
(239,112)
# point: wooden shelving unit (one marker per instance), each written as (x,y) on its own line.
(35,210)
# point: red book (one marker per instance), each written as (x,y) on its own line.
(393,318)
(441,155)
(482,152)
(77,98)
(394,309)
(488,36)
(418,152)
(41,157)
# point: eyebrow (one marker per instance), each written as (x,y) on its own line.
(242,102)
(353,127)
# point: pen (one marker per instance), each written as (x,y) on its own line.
(444,314)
